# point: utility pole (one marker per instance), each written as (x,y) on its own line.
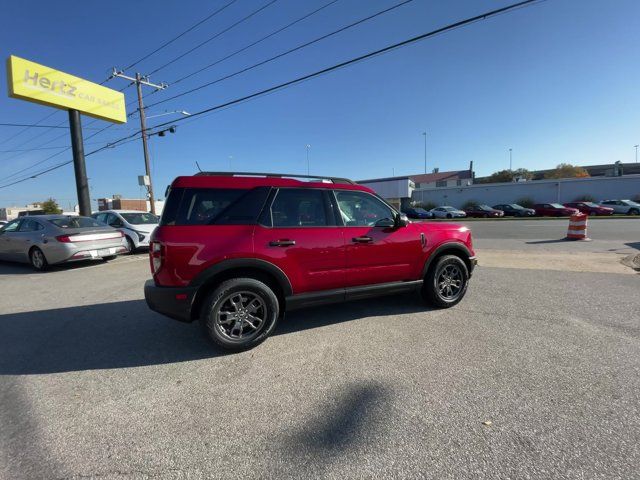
(308,147)
(140,80)
(636,147)
(425,151)
(510,159)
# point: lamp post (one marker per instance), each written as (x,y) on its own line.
(308,147)
(510,159)
(636,147)
(424,134)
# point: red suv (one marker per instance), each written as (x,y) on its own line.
(237,250)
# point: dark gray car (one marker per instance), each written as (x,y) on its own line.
(52,239)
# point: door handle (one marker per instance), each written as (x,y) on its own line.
(362,239)
(282,243)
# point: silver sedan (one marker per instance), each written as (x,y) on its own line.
(45,240)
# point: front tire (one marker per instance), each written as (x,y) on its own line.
(634,211)
(131,246)
(38,260)
(240,314)
(446,282)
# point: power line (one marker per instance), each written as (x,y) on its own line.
(8,139)
(280,86)
(35,125)
(44,148)
(361,58)
(242,20)
(169,42)
(283,54)
(253,44)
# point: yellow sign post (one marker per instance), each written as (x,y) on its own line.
(36,83)
(33,82)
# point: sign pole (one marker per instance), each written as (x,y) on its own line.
(77,146)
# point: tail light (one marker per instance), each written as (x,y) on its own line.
(156,253)
(90,237)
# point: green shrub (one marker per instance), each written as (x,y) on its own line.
(585,198)
(425,205)
(526,202)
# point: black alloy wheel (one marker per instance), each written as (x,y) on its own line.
(240,314)
(446,282)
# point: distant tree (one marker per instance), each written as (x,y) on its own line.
(526,202)
(506,176)
(584,198)
(50,206)
(566,170)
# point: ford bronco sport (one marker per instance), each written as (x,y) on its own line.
(235,250)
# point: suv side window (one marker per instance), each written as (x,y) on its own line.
(299,207)
(359,209)
(214,206)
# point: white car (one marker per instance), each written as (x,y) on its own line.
(447,212)
(627,207)
(137,226)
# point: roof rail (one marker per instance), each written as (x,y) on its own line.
(276,175)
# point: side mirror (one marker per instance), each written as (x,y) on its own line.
(400,220)
(385,223)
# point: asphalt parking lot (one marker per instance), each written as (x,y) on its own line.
(94,385)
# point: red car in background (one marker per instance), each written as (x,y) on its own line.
(553,210)
(483,211)
(590,208)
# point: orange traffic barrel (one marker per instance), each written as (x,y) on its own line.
(577,227)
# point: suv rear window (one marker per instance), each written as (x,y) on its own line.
(213,206)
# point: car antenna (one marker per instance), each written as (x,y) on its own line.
(198,165)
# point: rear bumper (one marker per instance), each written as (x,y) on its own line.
(173,302)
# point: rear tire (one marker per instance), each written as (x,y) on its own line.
(446,282)
(38,260)
(449,215)
(240,314)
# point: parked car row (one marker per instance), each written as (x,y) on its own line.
(44,240)
(606,207)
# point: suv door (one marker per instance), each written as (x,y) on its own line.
(297,232)
(377,253)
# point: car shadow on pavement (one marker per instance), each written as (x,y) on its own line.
(635,245)
(128,334)
(14,268)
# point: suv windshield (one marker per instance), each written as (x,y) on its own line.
(139,218)
(76,222)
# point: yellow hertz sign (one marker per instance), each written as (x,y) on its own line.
(36,83)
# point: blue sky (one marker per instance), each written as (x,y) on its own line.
(557,82)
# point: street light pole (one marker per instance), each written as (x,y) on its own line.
(510,160)
(308,147)
(425,151)
(636,147)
